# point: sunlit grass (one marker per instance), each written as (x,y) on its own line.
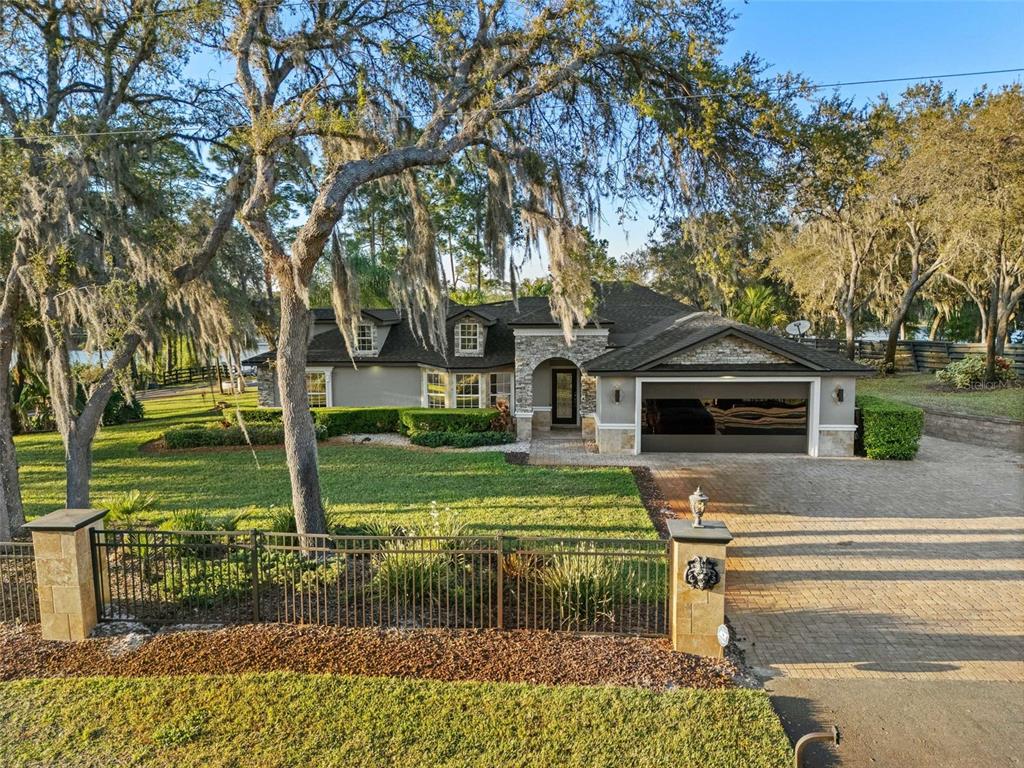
(359,482)
(920,389)
(305,720)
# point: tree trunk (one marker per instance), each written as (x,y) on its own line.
(299,434)
(78,463)
(220,379)
(1001,330)
(991,331)
(896,326)
(237,353)
(933,332)
(12,513)
(851,340)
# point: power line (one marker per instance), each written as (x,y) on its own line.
(822,86)
(682,97)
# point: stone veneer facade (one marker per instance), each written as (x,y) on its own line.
(532,349)
(726,350)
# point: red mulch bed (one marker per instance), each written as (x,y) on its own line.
(485,655)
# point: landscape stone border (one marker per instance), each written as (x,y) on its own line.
(987,431)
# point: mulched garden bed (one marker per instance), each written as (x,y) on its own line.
(482,655)
(653,500)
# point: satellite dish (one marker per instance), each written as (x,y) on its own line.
(798,328)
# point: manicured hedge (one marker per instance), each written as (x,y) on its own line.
(410,421)
(336,421)
(346,421)
(204,435)
(464,420)
(462,439)
(254,415)
(891,430)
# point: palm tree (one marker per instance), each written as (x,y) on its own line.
(759,306)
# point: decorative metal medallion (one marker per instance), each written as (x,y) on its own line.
(701,572)
(723,634)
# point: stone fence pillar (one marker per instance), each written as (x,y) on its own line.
(64,572)
(697,586)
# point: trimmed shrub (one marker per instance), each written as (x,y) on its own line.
(335,421)
(891,430)
(461,439)
(418,420)
(254,415)
(202,436)
(347,421)
(970,372)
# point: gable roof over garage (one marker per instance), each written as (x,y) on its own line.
(704,341)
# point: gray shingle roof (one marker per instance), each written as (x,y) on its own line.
(643,327)
(690,329)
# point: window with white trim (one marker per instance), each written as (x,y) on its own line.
(501,388)
(467,338)
(316,389)
(467,390)
(437,389)
(364,338)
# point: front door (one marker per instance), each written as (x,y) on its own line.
(563,395)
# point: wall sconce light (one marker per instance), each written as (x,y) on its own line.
(839,394)
(618,394)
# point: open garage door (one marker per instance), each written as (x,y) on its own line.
(725,417)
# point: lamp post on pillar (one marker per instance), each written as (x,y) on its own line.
(697,589)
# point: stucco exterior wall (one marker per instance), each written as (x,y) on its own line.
(830,410)
(377,385)
(610,412)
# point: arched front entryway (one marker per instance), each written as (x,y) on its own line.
(556,393)
(538,353)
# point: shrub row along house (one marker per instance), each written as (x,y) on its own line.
(646,374)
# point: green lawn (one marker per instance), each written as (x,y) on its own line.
(310,720)
(359,482)
(919,389)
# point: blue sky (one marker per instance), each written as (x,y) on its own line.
(840,41)
(831,42)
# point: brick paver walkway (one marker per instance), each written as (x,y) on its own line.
(851,568)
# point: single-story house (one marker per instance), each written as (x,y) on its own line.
(645,374)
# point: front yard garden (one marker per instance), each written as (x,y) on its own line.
(925,391)
(359,482)
(281,695)
(285,719)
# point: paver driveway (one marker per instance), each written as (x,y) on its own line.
(853,570)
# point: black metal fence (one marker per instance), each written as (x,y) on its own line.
(19,599)
(203,577)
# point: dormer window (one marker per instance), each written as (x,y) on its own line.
(364,339)
(467,338)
